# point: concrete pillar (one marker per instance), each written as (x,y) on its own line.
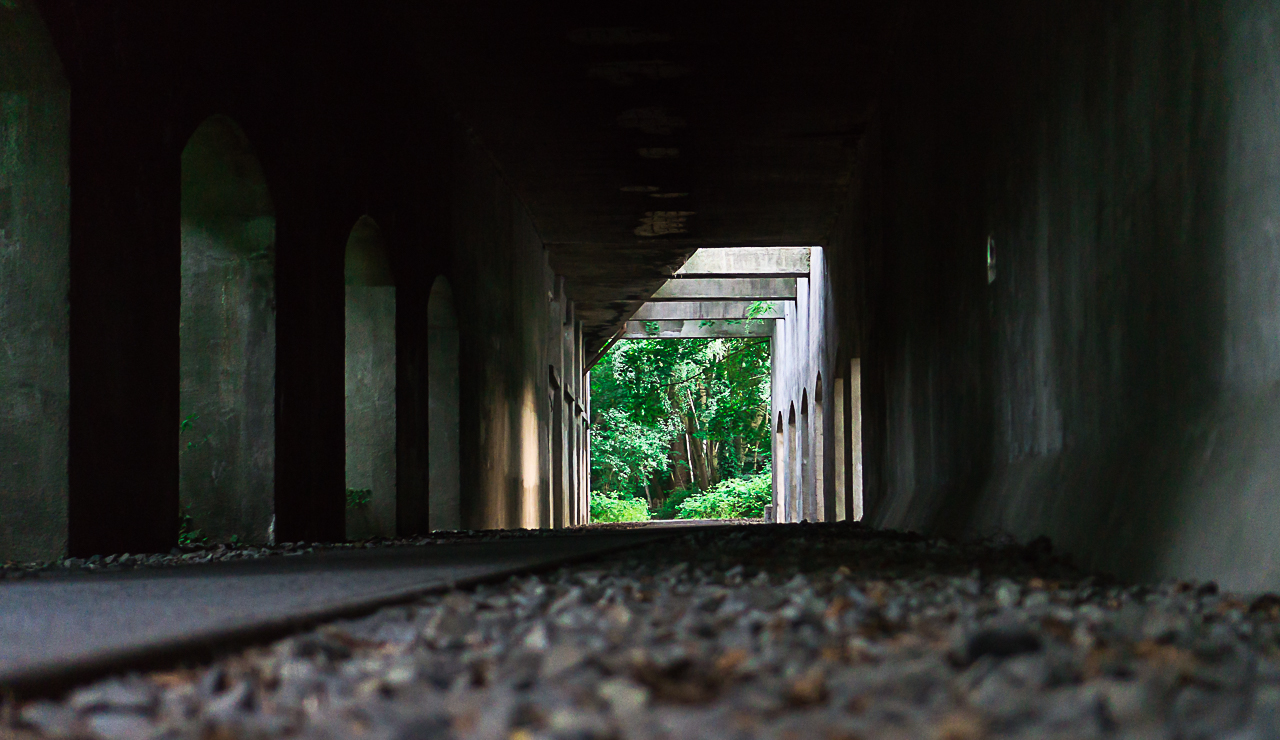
(853,425)
(227,331)
(794,484)
(310,481)
(806,492)
(125,295)
(444,414)
(34,282)
(370,384)
(838,448)
(822,501)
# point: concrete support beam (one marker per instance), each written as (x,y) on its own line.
(703,311)
(747,262)
(698,329)
(727,289)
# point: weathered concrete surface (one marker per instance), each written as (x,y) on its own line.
(226,441)
(759,262)
(370,383)
(34,282)
(726,289)
(705,311)
(698,329)
(1117,385)
(444,466)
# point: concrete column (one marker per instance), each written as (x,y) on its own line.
(125,288)
(443,392)
(794,479)
(854,427)
(34,281)
(840,463)
(310,481)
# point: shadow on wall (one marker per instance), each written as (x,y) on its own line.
(226,437)
(370,384)
(443,459)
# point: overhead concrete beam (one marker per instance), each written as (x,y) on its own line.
(703,311)
(699,329)
(726,289)
(747,262)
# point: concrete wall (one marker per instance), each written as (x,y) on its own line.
(227,330)
(444,465)
(505,297)
(34,281)
(1117,385)
(370,383)
(813,463)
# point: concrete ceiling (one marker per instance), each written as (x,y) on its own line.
(638,132)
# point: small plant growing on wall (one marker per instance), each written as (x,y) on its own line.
(359,497)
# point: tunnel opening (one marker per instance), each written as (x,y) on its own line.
(227,333)
(680,429)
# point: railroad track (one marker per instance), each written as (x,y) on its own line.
(61,631)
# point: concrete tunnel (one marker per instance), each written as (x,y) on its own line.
(1043,296)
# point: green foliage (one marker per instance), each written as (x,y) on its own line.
(188,535)
(648,393)
(736,498)
(357,497)
(607,508)
(187,425)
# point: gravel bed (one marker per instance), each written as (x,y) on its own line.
(834,632)
(221,552)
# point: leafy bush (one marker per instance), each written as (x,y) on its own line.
(737,498)
(606,508)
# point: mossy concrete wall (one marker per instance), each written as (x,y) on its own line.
(34,282)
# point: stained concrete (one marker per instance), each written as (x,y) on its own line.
(370,383)
(226,431)
(34,282)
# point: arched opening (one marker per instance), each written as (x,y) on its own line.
(822,500)
(805,489)
(370,384)
(34,283)
(443,488)
(227,333)
(792,504)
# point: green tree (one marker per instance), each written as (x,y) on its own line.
(679,414)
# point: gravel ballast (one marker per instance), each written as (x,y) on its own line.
(799,631)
